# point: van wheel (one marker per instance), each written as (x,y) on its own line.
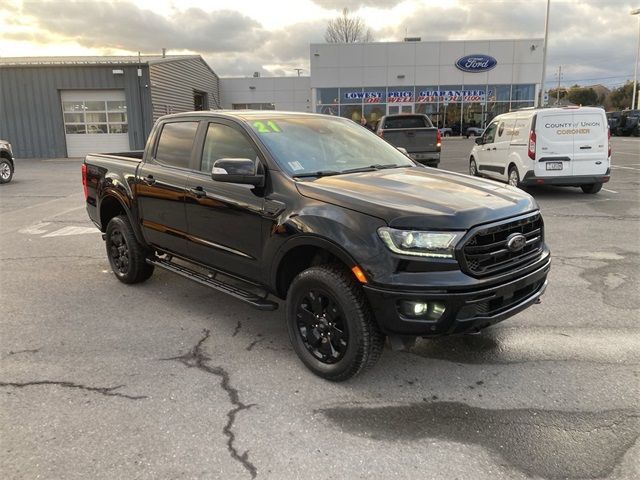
(591,188)
(126,256)
(514,176)
(6,171)
(473,168)
(330,324)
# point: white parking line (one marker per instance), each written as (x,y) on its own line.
(610,191)
(626,168)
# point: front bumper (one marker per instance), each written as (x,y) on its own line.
(568,181)
(467,310)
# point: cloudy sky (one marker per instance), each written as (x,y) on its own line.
(594,40)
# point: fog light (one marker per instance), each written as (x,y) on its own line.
(422,310)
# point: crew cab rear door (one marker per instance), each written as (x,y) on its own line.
(161,187)
(224,219)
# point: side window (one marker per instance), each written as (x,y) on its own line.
(175,143)
(223,141)
(490,133)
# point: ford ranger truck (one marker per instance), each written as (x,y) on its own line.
(358,242)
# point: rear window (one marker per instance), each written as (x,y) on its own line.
(175,143)
(408,121)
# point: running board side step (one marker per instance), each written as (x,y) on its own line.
(261,303)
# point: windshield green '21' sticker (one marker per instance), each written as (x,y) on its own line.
(266,127)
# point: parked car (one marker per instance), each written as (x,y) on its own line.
(361,242)
(614,119)
(445,131)
(414,133)
(7,165)
(628,123)
(567,146)
(475,131)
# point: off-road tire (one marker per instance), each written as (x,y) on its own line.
(365,340)
(126,255)
(591,188)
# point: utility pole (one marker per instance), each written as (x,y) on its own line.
(544,54)
(635,73)
(558,89)
(299,70)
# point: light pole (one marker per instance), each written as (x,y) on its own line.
(544,54)
(635,69)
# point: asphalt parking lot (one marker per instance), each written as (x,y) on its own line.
(168,379)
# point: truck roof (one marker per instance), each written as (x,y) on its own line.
(243,114)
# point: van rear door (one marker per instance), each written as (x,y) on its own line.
(590,143)
(554,143)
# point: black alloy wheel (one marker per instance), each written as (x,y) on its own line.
(322,327)
(127,257)
(118,252)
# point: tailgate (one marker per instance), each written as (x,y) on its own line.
(413,139)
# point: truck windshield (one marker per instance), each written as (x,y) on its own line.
(303,146)
(407,121)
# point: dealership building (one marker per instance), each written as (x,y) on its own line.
(48,106)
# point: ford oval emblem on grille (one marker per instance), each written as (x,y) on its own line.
(516,242)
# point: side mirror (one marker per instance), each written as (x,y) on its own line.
(403,150)
(479,141)
(237,170)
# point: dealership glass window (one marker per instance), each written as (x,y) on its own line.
(350,95)
(496,108)
(523,92)
(374,112)
(327,96)
(517,105)
(95,117)
(451,93)
(353,112)
(333,110)
(499,93)
(374,94)
(426,94)
(400,94)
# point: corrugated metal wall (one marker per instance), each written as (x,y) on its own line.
(173,83)
(31,110)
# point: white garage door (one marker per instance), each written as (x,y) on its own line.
(95,121)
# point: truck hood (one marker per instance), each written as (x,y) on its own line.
(421,198)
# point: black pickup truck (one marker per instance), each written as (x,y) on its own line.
(360,241)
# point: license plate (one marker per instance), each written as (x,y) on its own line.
(418,156)
(554,165)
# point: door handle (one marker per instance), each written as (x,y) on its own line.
(585,147)
(149,180)
(198,192)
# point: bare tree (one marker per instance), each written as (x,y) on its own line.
(348,29)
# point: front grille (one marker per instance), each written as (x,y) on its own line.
(486,252)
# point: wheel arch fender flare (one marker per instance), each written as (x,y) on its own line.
(307,240)
(110,195)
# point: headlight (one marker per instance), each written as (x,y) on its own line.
(421,244)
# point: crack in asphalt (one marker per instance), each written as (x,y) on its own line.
(107,391)
(255,342)
(29,350)
(196,358)
(237,329)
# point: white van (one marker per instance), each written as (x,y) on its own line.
(567,146)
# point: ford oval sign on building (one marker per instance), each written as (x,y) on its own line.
(476,63)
